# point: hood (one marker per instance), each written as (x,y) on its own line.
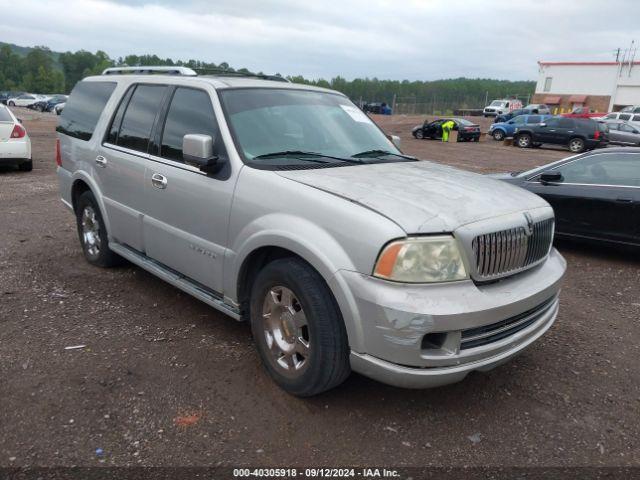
(421,197)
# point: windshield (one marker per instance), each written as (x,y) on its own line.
(265,121)
(496,103)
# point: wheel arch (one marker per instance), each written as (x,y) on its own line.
(82,182)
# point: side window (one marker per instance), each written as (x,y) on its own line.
(553,122)
(565,123)
(116,121)
(628,128)
(604,169)
(83,109)
(547,84)
(190,112)
(612,115)
(624,116)
(519,120)
(636,118)
(139,116)
(534,119)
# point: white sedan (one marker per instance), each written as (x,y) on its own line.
(15,145)
(25,100)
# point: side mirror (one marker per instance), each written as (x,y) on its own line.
(197,150)
(552,176)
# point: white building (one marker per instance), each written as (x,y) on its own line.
(601,86)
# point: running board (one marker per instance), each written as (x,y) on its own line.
(176,279)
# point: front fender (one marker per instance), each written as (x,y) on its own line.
(313,244)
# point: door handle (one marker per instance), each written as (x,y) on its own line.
(624,200)
(159,181)
(101,161)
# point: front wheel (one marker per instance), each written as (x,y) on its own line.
(524,140)
(576,145)
(298,328)
(12,104)
(498,135)
(93,233)
(419,134)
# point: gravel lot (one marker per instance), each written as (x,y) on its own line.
(165,380)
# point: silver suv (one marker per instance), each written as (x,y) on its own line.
(286,206)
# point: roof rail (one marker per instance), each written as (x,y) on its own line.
(145,70)
(233,73)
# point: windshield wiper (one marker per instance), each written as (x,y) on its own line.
(302,155)
(380,153)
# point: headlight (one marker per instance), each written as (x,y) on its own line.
(421,260)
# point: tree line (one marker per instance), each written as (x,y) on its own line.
(44,71)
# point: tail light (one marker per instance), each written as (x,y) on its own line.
(470,129)
(596,135)
(18,131)
(58,155)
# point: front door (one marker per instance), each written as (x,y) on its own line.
(186,211)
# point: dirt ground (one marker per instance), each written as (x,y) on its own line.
(165,380)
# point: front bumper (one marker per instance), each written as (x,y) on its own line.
(414,335)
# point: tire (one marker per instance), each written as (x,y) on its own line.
(298,328)
(498,135)
(93,233)
(12,104)
(476,139)
(26,166)
(576,145)
(524,140)
(419,134)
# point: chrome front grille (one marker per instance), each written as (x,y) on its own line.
(508,251)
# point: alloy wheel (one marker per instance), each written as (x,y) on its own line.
(286,331)
(91,231)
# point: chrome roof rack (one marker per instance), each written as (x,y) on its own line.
(146,70)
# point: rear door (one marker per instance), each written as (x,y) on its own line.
(121,161)
(547,133)
(186,211)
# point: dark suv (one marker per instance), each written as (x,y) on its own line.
(578,134)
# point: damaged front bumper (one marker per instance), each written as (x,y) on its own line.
(419,336)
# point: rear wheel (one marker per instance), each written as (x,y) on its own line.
(524,140)
(498,135)
(93,233)
(12,104)
(26,166)
(298,328)
(419,134)
(576,145)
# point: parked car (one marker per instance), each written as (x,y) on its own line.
(15,145)
(577,134)
(540,108)
(631,109)
(342,253)
(47,105)
(528,110)
(5,96)
(23,100)
(502,130)
(466,130)
(623,133)
(595,195)
(57,109)
(583,112)
(498,107)
(627,117)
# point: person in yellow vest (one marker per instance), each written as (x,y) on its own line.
(446,128)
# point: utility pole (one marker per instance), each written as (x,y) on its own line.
(618,55)
(486,98)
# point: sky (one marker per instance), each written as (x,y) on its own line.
(401,39)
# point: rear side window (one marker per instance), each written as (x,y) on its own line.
(190,112)
(83,109)
(565,123)
(5,116)
(534,119)
(624,116)
(138,119)
(636,118)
